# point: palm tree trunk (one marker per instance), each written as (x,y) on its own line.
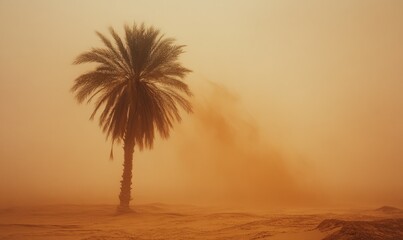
(126,182)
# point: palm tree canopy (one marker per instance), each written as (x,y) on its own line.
(138,82)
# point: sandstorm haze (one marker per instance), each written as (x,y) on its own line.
(296,104)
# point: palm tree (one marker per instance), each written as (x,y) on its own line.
(139,85)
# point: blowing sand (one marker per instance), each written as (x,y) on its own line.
(160,221)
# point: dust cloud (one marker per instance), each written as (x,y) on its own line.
(227,160)
(308,110)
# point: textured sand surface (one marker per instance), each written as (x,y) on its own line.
(159,221)
(385,229)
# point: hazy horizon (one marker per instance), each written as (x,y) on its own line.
(297,104)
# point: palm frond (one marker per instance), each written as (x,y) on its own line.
(139,84)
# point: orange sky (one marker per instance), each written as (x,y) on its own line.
(310,93)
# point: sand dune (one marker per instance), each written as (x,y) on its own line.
(160,221)
(389,210)
(386,229)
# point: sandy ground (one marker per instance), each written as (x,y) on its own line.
(159,221)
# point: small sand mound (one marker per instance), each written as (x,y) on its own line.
(330,224)
(387,229)
(389,210)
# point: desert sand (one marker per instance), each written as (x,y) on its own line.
(161,221)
